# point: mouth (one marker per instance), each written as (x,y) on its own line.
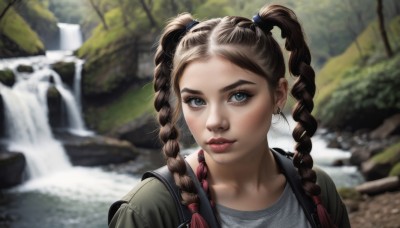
(219,141)
(219,145)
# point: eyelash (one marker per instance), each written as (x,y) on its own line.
(245,93)
(189,99)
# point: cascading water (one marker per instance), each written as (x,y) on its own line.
(25,105)
(70,36)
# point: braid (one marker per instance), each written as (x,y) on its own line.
(303,90)
(168,130)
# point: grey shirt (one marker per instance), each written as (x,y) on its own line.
(286,212)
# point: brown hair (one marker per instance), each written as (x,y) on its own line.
(250,46)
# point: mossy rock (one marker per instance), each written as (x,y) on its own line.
(349,193)
(24,68)
(16,37)
(66,70)
(365,97)
(42,21)
(390,155)
(395,171)
(111,72)
(7,77)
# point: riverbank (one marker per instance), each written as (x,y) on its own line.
(381,211)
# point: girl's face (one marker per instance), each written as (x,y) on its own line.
(228,109)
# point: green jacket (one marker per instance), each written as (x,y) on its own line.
(150,205)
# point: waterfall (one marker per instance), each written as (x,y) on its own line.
(27,127)
(70,36)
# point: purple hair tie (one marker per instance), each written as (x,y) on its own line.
(262,24)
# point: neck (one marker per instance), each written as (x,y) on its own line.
(252,171)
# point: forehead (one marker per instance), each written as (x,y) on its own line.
(215,72)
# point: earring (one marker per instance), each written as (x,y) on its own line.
(278,111)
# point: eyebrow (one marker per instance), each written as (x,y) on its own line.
(225,89)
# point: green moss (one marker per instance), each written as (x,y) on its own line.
(331,75)
(16,29)
(124,109)
(364,97)
(391,155)
(102,41)
(395,171)
(349,193)
(7,77)
(66,70)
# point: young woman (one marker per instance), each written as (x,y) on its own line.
(228,78)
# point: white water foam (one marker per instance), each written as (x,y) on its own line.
(83,184)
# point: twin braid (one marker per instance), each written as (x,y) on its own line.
(303,90)
(168,134)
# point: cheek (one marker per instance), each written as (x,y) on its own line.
(257,119)
(193,122)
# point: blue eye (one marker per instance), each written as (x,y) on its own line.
(239,97)
(194,102)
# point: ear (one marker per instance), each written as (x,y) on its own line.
(281,94)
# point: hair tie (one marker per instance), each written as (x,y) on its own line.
(259,22)
(191,25)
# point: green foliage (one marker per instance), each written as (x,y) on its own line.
(68,11)
(349,83)
(364,97)
(132,104)
(16,29)
(102,41)
(214,8)
(391,155)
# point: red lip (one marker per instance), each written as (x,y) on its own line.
(219,145)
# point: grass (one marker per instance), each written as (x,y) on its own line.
(126,108)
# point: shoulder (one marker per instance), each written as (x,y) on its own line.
(149,204)
(331,199)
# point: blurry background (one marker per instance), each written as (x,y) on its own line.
(77,125)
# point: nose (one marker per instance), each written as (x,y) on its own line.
(217,120)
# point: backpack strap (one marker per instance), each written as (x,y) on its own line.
(205,209)
(284,160)
(164,175)
(114,208)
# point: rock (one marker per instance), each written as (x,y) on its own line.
(97,150)
(107,74)
(372,170)
(362,154)
(142,132)
(2,117)
(379,186)
(390,126)
(12,167)
(25,68)
(7,77)
(66,70)
(54,104)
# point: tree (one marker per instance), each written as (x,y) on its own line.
(146,9)
(379,10)
(8,6)
(99,13)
